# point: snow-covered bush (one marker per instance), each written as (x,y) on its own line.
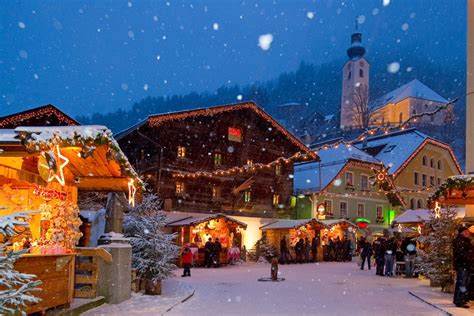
(154,252)
(15,288)
(437,254)
(265,249)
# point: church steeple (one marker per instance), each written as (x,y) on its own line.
(356,51)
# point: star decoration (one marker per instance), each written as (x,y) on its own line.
(437,210)
(55,165)
(131,192)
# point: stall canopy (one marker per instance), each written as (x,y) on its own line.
(290,224)
(84,156)
(420,216)
(195,220)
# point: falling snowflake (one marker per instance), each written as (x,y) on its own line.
(375,11)
(23,54)
(310,15)
(21,25)
(129,4)
(405,27)
(131,34)
(393,67)
(158,57)
(265,41)
(361,19)
(155,18)
(337,182)
(215,26)
(145,87)
(124,86)
(36,76)
(386,3)
(239,97)
(409,69)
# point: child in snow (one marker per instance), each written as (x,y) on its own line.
(187,260)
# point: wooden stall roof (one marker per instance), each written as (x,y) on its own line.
(94,156)
(420,215)
(333,222)
(456,190)
(195,220)
(291,224)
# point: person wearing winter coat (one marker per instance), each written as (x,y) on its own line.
(366,253)
(390,249)
(462,250)
(217,253)
(379,249)
(314,248)
(307,247)
(186,260)
(208,252)
(409,255)
(299,248)
(346,250)
(283,251)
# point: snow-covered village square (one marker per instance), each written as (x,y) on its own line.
(247,157)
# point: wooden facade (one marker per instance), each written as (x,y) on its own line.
(232,159)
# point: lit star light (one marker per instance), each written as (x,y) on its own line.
(131,192)
(56,171)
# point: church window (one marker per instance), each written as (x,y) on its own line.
(349,76)
(361,73)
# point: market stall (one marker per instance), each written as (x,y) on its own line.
(414,220)
(41,171)
(195,231)
(337,230)
(294,230)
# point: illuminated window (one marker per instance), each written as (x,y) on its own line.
(181,152)
(217,158)
(328,207)
(234,134)
(278,169)
(247,196)
(249,162)
(379,211)
(364,182)
(360,210)
(343,209)
(180,187)
(276,199)
(349,179)
(216,192)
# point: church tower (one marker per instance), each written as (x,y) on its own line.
(355,84)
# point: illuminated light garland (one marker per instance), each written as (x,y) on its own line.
(437,210)
(47,110)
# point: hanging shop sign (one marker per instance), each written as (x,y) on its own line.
(49,194)
(362,222)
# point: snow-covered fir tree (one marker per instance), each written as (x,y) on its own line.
(437,253)
(264,249)
(16,289)
(154,252)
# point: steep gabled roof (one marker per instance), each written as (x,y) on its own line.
(158,119)
(413,89)
(47,111)
(333,160)
(397,149)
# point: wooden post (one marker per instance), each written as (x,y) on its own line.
(470,98)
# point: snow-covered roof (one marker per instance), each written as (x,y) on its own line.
(8,136)
(395,148)
(289,223)
(306,175)
(420,215)
(48,133)
(333,222)
(412,89)
(194,220)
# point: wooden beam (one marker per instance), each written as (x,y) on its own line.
(102,183)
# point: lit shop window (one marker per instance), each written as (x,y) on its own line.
(276,199)
(180,187)
(247,196)
(216,192)
(217,158)
(278,169)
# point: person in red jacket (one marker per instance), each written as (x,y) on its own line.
(186,260)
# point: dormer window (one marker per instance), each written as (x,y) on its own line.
(181,152)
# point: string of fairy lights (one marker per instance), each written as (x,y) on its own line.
(312,154)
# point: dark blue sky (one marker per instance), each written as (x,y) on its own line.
(97,56)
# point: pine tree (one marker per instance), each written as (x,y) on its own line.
(264,249)
(437,253)
(15,288)
(154,252)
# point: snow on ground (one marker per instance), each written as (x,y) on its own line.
(309,289)
(173,292)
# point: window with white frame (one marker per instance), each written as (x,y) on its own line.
(349,179)
(364,182)
(343,209)
(360,210)
(328,207)
(379,211)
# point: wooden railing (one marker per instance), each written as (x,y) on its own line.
(87,270)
